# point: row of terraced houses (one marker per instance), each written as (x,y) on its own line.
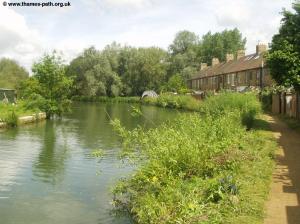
(235,73)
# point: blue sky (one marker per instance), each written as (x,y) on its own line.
(27,32)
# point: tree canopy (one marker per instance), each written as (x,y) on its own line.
(124,70)
(49,87)
(284,56)
(11,73)
(188,51)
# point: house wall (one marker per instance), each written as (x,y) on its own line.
(251,77)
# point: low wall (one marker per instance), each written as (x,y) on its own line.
(27,119)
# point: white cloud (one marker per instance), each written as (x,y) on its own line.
(131,3)
(25,33)
(17,40)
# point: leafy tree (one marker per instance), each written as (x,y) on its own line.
(184,54)
(184,41)
(284,56)
(11,73)
(220,44)
(175,84)
(94,72)
(49,88)
(188,51)
(144,69)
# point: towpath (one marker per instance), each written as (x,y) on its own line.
(283,206)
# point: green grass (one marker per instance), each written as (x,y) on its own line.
(204,167)
(9,113)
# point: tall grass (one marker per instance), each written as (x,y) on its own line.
(204,168)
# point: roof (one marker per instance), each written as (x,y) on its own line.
(247,62)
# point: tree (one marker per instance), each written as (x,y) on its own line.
(184,54)
(49,87)
(143,69)
(219,44)
(184,41)
(175,84)
(11,73)
(95,72)
(283,58)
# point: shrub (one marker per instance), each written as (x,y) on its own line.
(198,169)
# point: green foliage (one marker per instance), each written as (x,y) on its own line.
(175,84)
(118,71)
(219,44)
(246,104)
(128,71)
(199,169)
(94,73)
(284,56)
(9,113)
(108,99)
(11,74)
(185,102)
(184,41)
(143,69)
(49,88)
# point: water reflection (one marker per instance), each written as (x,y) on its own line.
(48,176)
(50,163)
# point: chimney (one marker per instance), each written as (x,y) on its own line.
(240,54)
(203,66)
(229,57)
(260,48)
(215,61)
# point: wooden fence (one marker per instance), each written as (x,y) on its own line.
(286,104)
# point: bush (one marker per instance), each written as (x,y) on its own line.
(186,102)
(199,169)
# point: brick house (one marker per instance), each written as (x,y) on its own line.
(236,73)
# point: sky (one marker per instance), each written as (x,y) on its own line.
(26,33)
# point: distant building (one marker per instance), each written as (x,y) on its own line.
(7,95)
(236,73)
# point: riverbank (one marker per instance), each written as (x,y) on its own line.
(186,102)
(213,168)
(13,114)
(26,119)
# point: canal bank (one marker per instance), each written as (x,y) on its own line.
(26,119)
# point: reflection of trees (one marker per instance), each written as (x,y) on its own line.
(93,127)
(9,134)
(50,163)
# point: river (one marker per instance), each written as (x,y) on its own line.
(47,173)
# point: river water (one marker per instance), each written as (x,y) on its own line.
(47,173)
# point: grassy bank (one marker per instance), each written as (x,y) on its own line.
(200,169)
(107,99)
(9,113)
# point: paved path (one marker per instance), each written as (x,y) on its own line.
(283,206)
